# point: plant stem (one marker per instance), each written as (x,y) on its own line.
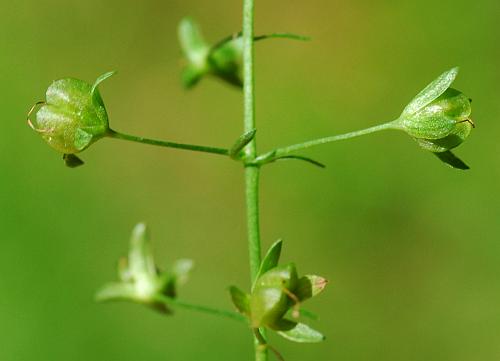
(251,171)
(285,151)
(167,144)
(200,308)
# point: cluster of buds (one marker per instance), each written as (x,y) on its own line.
(140,279)
(277,293)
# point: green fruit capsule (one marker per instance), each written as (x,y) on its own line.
(439,118)
(270,299)
(73,115)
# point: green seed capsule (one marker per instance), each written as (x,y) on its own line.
(439,118)
(270,299)
(73,115)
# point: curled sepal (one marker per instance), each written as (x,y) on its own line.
(73,116)
(140,279)
(302,333)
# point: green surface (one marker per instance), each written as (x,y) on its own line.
(410,247)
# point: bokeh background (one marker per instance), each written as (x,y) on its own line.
(410,246)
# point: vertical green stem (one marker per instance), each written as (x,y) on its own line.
(251,171)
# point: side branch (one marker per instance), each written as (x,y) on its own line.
(287,151)
(167,144)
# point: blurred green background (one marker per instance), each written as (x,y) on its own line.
(410,246)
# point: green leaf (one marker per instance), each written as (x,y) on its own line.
(240,299)
(302,334)
(271,259)
(431,91)
(310,286)
(72,161)
(241,143)
(452,160)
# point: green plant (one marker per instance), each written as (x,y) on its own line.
(74,116)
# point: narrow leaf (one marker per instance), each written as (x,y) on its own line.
(240,299)
(72,161)
(238,35)
(241,142)
(302,334)
(452,160)
(282,36)
(299,157)
(431,91)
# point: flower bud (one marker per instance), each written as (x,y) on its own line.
(140,279)
(73,115)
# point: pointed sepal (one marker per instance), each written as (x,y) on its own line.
(432,91)
(241,300)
